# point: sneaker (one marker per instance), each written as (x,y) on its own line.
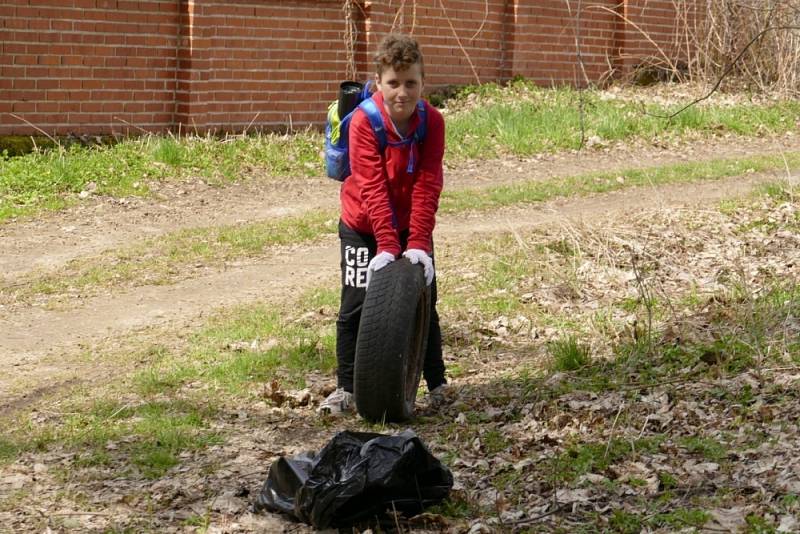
(440,395)
(337,403)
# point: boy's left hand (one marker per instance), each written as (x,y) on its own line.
(415,256)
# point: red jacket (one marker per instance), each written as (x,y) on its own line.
(380,182)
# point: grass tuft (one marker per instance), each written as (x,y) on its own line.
(568,354)
(170,151)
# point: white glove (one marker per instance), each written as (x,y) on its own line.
(377,263)
(415,256)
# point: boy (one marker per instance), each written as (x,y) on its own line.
(389,205)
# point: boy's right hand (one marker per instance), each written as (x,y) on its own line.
(381,260)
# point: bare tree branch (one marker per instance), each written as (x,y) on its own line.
(583,71)
(727,71)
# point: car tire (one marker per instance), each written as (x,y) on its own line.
(391,343)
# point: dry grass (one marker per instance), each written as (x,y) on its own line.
(753,43)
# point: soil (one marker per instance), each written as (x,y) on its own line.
(35,338)
(47,350)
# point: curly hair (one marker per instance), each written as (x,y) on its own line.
(399,52)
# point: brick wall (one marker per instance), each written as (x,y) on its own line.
(462,40)
(259,63)
(102,66)
(546,49)
(660,31)
(87,65)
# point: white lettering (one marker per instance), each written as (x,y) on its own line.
(349,255)
(363,257)
(361,277)
(356,260)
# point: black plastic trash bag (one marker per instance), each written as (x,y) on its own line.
(356,476)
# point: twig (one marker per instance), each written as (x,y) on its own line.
(396,521)
(398,16)
(131,125)
(62,514)
(518,238)
(613,426)
(644,33)
(483,22)
(644,426)
(642,385)
(581,118)
(521,522)
(251,123)
(789,178)
(649,385)
(773,369)
(647,300)
(29,123)
(455,34)
(59,414)
(727,71)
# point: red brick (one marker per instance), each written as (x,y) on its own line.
(249,55)
(12,71)
(24,83)
(24,107)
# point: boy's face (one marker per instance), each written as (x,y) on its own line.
(401,91)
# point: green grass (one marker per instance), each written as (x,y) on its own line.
(743,333)
(320,298)
(145,437)
(202,522)
(582,458)
(51,179)
(494,442)
(8,449)
(11,501)
(243,349)
(46,180)
(520,119)
(145,420)
(523,119)
(667,481)
(454,507)
(625,522)
(603,182)
(731,331)
(708,448)
(757,524)
(170,151)
(681,518)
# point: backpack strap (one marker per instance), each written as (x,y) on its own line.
(367,91)
(375,120)
(419,135)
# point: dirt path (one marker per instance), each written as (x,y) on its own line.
(44,346)
(35,341)
(100,224)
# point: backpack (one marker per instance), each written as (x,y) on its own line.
(337,156)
